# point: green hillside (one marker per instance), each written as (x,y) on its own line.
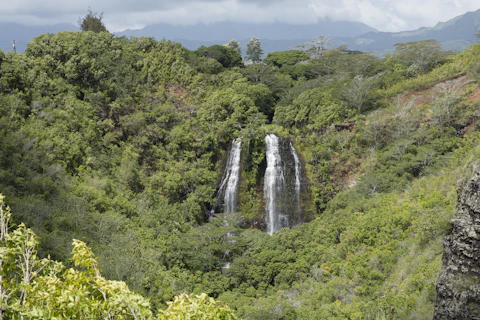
(121,143)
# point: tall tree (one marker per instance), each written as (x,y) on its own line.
(235,45)
(420,56)
(357,93)
(317,47)
(92,22)
(254,50)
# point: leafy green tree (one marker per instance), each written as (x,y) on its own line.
(277,82)
(286,58)
(196,308)
(235,45)
(44,289)
(227,56)
(92,22)
(207,65)
(254,50)
(313,109)
(419,57)
(259,93)
(471,62)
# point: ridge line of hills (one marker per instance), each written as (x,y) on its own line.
(455,34)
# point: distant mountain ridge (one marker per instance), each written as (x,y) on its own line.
(227,30)
(455,34)
(277,36)
(23,34)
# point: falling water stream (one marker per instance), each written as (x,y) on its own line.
(274,185)
(282,184)
(297,177)
(229,187)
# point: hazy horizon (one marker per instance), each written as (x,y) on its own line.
(120,15)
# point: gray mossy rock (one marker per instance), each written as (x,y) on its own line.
(458,285)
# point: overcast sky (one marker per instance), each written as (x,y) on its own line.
(384,15)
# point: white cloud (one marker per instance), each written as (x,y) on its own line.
(385,15)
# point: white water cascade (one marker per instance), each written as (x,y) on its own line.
(274,185)
(229,188)
(282,184)
(229,185)
(297,176)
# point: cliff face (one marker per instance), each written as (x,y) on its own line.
(458,285)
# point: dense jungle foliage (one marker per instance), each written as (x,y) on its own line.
(121,143)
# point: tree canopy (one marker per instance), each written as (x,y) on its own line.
(420,57)
(235,45)
(229,57)
(286,58)
(92,22)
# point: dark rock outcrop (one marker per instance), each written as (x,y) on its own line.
(458,285)
(346,125)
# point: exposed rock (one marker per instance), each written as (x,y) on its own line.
(346,125)
(458,285)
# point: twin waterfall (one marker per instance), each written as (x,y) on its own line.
(282,183)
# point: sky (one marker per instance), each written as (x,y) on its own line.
(384,15)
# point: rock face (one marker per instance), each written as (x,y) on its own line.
(458,285)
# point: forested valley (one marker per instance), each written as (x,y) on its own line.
(122,144)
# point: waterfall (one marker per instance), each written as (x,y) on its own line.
(229,188)
(282,185)
(297,176)
(229,185)
(274,185)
